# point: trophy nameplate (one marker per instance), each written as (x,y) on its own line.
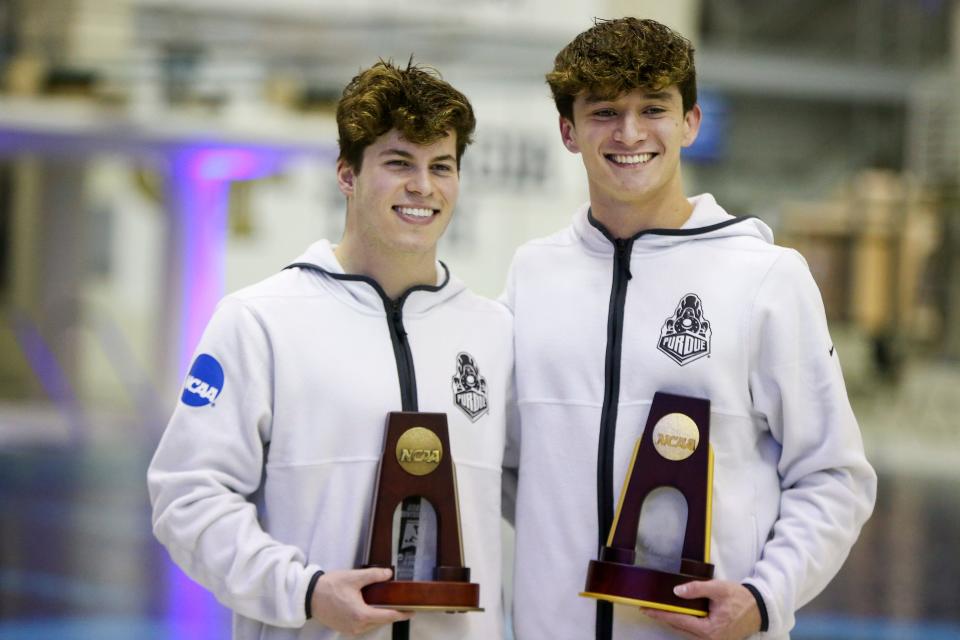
(673,451)
(416,462)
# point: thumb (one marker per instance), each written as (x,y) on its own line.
(697,589)
(371,575)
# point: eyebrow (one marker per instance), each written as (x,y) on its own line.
(406,154)
(659,95)
(650,95)
(396,152)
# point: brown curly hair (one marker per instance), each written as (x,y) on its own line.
(616,56)
(416,101)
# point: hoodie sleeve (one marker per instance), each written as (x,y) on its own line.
(209,463)
(511,453)
(827,486)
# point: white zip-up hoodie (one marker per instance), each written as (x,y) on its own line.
(712,310)
(266,471)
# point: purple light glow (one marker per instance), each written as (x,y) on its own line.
(201,178)
(230,164)
(201,221)
(199,199)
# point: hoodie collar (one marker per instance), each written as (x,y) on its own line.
(367,292)
(708,220)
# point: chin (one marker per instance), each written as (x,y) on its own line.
(414,247)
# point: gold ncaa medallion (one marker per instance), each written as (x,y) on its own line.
(676,436)
(419,451)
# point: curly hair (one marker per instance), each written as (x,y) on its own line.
(416,101)
(616,56)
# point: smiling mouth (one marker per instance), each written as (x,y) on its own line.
(629,160)
(417,213)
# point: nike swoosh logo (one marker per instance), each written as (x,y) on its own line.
(831,349)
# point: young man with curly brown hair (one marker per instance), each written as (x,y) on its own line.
(652,291)
(262,484)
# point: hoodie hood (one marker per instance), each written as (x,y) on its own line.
(367,292)
(708,221)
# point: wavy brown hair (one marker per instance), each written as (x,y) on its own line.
(414,100)
(616,56)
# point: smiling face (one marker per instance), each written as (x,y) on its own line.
(630,146)
(401,198)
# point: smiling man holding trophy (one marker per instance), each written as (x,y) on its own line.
(347,385)
(671,351)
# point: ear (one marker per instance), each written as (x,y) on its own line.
(691,125)
(346,177)
(569,135)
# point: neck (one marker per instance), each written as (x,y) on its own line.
(395,272)
(626,218)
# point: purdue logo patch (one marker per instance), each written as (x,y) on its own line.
(685,336)
(469,387)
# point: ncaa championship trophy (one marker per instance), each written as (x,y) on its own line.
(674,451)
(416,462)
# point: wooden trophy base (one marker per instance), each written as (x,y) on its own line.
(411,595)
(641,586)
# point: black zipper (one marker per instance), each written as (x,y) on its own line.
(401,352)
(608,414)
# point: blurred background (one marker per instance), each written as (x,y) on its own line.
(157,154)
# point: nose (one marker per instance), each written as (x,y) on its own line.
(630,130)
(420,183)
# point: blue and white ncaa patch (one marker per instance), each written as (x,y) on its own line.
(204,382)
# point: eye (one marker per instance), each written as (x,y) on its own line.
(442,168)
(397,163)
(604,113)
(655,110)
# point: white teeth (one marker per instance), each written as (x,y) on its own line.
(637,158)
(416,213)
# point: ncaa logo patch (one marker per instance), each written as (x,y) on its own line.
(204,382)
(685,336)
(469,387)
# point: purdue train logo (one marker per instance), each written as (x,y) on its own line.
(685,336)
(469,387)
